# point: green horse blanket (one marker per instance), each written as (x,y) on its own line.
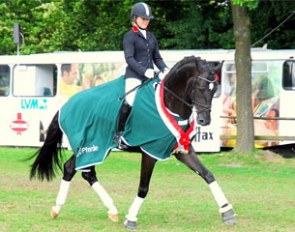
(89,121)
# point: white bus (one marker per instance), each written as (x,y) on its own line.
(273,90)
(33,87)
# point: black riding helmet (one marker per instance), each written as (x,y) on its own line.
(142,10)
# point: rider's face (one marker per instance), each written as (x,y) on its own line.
(142,23)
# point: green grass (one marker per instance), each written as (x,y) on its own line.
(260,186)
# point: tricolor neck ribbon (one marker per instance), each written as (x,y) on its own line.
(183,137)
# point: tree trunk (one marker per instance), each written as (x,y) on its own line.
(245,127)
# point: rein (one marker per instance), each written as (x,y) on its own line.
(205,107)
(176,96)
(183,137)
(205,79)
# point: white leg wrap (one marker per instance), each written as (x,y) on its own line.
(134,209)
(63,192)
(105,198)
(218,194)
(61,196)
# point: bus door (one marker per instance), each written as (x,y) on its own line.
(29,106)
(5,93)
(287,109)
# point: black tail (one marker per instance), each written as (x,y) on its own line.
(49,157)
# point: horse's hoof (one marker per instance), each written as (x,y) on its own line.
(229,217)
(130,225)
(113,217)
(53,213)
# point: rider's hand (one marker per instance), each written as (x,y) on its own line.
(149,73)
(163,74)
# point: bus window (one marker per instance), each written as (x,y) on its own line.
(289,75)
(229,79)
(34,80)
(94,74)
(259,67)
(4,80)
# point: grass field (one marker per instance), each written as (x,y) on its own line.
(260,186)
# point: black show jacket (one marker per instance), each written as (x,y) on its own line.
(141,54)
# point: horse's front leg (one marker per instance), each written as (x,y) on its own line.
(147,167)
(192,161)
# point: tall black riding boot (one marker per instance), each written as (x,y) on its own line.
(122,118)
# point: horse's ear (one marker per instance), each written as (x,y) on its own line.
(218,67)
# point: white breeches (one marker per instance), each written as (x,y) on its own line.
(131,83)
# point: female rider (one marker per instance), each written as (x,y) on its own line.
(141,53)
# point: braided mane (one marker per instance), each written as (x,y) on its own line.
(184,61)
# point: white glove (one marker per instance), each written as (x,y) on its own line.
(163,74)
(149,73)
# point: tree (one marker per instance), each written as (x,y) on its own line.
(242,34)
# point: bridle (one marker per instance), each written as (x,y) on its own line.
(205,79)
(176,96)
(203,107)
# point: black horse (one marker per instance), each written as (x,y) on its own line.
(187,91)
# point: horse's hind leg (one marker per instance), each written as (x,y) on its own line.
(90,177)
(192,161)
(68,174)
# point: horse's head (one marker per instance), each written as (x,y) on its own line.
(193,81)
(203,88)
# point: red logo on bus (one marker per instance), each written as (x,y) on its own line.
(19,125)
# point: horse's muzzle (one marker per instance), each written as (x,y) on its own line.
(204,119)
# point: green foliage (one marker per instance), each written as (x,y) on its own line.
(251,4)
(91,25)
(194,25)
(265,21)
(49,26)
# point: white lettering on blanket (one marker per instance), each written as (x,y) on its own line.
(84,150)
